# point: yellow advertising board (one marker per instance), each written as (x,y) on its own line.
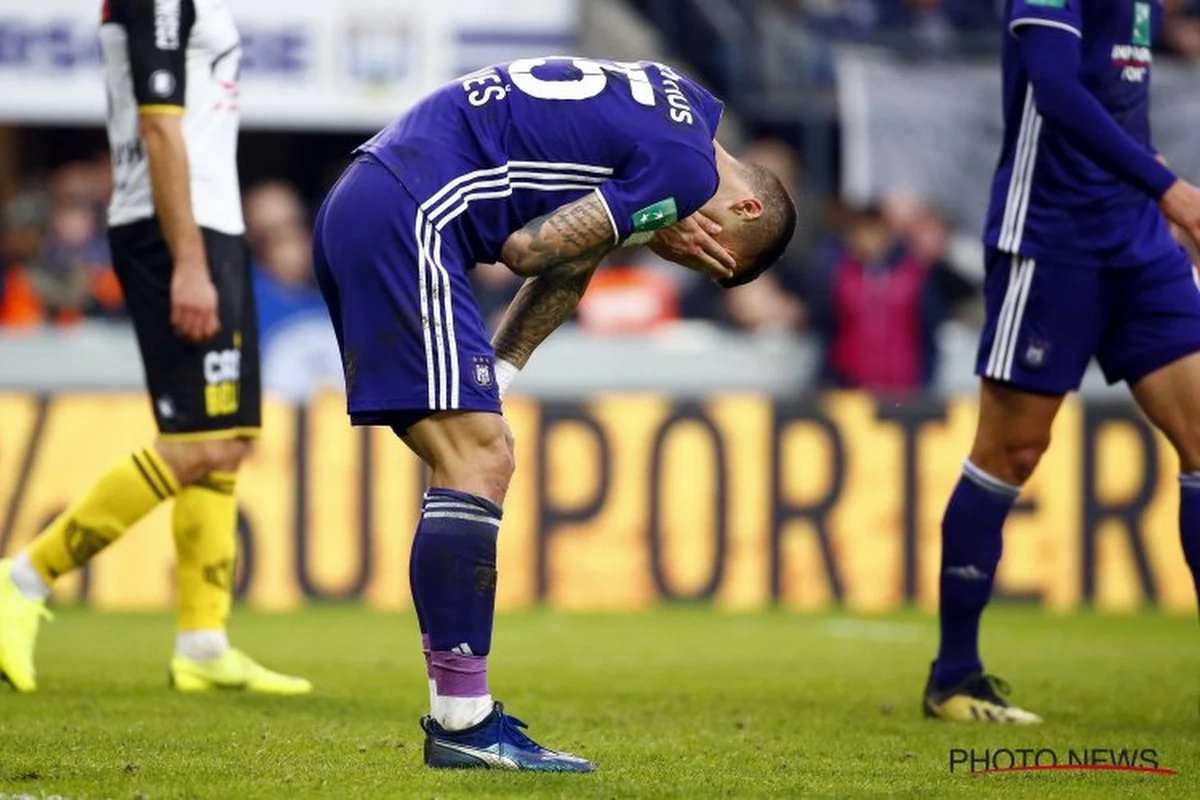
(624,501)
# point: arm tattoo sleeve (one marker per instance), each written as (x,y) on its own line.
(542,304)
(577,229)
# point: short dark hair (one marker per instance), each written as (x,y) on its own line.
(769,235)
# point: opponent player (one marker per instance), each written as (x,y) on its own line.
(1081,263)
(175,229)
(545,165)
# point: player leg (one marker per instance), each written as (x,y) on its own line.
(1033,351)
(122,495)
(1156,348)
(195,396)
(223,400)
(417,359)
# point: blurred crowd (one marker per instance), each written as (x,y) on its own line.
(874,283)
(941,26)
(55,269)
(810,29)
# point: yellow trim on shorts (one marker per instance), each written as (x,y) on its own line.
(212,436)
(162,108)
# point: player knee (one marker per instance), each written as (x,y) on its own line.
(1022,459)
(490,465)
(191,461)
(497,463)
(1012,461)
(1187,446)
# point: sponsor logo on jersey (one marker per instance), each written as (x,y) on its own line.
(1134,59)
(166,24)
(662,214)
(1047,3)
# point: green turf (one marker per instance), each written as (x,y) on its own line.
(678,703)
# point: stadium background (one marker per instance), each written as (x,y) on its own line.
(790,443)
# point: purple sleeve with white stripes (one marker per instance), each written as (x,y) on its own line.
(1052,60)
(658,186)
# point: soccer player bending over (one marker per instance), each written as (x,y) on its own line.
(175,229)
(1080,263)
(545,165)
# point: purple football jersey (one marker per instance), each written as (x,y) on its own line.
(509,143)
(1050,201)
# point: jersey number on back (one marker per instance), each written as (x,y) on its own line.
(484,86)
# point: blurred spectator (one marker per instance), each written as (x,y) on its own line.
(634,293)
(269,206)
(887,296)
(24,224)
(55,253)
(299,350)
(918,28)
(843,20)
(73,273)
(1181,28)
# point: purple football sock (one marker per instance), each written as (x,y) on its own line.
(971,546)
(453,579)
(1189,523)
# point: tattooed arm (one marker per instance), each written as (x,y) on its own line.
(558,252)
(577,228)
(542,304)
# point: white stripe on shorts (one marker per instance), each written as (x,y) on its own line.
(1012,312)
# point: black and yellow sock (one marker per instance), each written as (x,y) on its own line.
(128,491)
(205,528)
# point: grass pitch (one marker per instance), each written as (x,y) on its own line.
(675,703)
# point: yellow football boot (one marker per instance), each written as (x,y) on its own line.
(19,620)
(234,670)
(977,698)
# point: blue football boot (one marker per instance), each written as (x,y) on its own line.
(497,742)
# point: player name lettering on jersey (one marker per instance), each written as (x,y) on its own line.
(483,86)
(681,110)
(166,24)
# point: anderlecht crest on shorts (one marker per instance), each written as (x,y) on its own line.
(1035,353)
(483,370)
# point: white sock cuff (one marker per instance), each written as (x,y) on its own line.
(988,482)
(28,580)
(460,713)
(506,372)
(201,645)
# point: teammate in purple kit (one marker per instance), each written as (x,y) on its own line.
(544,165)
(1081,262)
